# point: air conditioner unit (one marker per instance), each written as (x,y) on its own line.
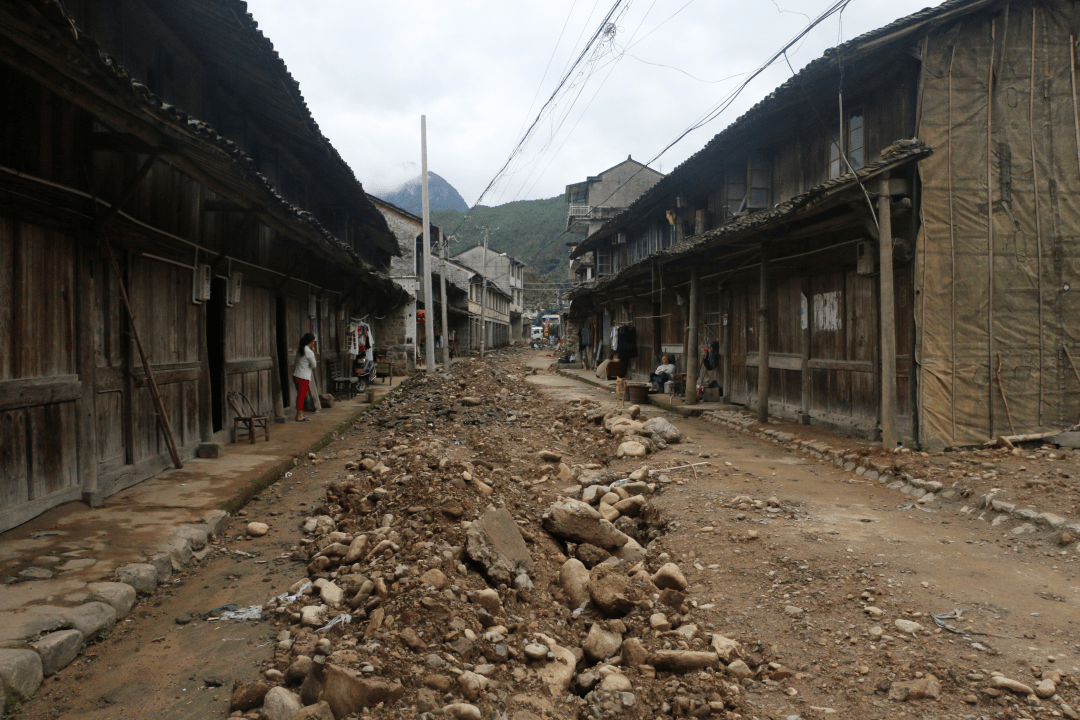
(865,258)
(235,282)
(311,309)
(201,284)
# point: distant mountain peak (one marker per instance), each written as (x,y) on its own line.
(441,195)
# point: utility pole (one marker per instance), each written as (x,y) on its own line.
(443,242)
(429,306)
(483,298)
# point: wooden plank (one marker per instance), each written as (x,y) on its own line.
(87,444)
(241,367)
(13,516)
(848,365)
(168,374)
(7,299)
(110,423)
(777,361)
(39,391)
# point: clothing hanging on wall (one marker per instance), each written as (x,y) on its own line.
(360,340)
(624,341)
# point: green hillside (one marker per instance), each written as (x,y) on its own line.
(530,230)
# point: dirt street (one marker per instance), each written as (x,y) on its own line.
(824,580)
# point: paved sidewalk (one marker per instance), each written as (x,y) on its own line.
(82,545)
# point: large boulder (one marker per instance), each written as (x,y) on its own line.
(246,696)
(494,541)
(141,576)
(579,522)
(346,692)
(602,641)
(574,581)
(661,429)
(120,596)
(280,704)
(57,650)
(92,618)
(556,674)
(20,671)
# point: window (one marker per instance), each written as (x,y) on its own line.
(856,145)
(760,175)
(603,261)
(735,191)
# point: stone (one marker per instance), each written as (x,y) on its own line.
(549,456)
(683,661)
(631,552)
(659,621)
(92,618)
(36,573)
(661,429)
(579,522)
(607,512)
(927,687)
(57,650)
(280,704)
(556,674)
(631,506)
(574,582)
(634,653)
(441,683)
(120,596)
(566,475)
(593,493)
(669,576)
(907,626)
(216,521)
(21,671)
(210,450)
(471,685)
(1003,683)
(613,593)
(434,578)
(462,711)
(314,616)
(726,648)
(1045,688)
(632,449)
(331,594)
(163,563)
(471,401)
(197,535)
(357,551)
(590,555)
(318,711)
(247,696)
(739,670)
(489,600)
(536,651)
(794,610)
(257,529)
(179,553)
(345,691)
(616,682)
(494,541)
(298,670)
(602,643)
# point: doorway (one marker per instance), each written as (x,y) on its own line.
(215,350)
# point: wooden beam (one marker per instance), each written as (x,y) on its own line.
(39,391)
(120,143)
(887,303)
(763,339)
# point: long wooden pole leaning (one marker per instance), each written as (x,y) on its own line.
(163,418)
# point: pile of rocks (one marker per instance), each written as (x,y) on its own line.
(448,575)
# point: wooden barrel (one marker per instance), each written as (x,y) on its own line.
(638,393)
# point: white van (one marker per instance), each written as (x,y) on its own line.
(537,333)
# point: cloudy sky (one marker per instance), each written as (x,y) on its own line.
(481,70)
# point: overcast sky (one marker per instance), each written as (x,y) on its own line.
(482,69)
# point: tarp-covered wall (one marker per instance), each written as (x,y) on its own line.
(999,248)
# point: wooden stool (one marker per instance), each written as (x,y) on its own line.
(246,415)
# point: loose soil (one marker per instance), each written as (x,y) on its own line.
(810,583)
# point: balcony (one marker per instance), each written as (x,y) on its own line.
(580,216)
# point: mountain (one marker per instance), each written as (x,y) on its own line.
(530,230)
(441,195)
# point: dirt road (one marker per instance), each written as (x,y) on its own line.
(808,569)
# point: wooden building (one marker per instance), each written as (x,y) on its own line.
(163,150)
(886,245)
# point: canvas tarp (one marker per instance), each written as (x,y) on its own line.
(999,245)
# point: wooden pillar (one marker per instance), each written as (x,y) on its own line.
(692,346)
(725,333)
(804,326)
(763,339)
(887,303)
(88,444)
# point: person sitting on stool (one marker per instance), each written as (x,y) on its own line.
(665,371)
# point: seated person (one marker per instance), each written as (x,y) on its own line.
(664,371)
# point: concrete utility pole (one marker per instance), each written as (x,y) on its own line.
(483,298)
(429,306)
(443,242)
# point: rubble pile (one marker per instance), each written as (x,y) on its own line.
(479,558)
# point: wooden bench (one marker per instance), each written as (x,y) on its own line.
(248,417)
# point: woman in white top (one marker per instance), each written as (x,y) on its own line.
(305,363)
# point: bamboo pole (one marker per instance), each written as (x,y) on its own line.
(155,394)
(1038,220)
(1004,400)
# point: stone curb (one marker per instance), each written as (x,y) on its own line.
(23,670)
(923,492)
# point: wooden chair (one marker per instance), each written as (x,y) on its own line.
(247,416)
(339,382)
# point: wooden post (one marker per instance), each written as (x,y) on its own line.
(429,302)
(763,339)
(88,443)
(692,347)
(443,242)
(887,303)
(804,364)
